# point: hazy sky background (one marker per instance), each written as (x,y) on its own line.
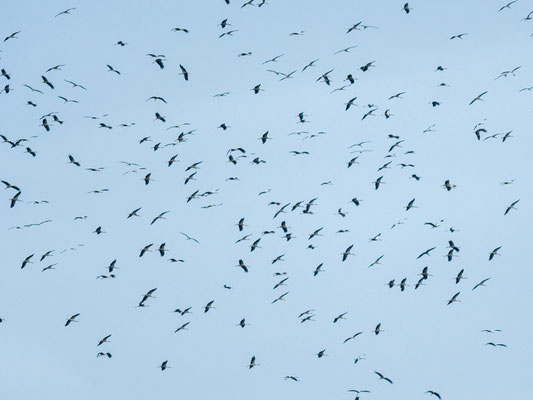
(426,345)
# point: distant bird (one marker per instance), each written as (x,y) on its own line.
(71,319)
(47,82)
(410,205)
(311,64)
(511,207)
(182,327)
(180,30)
(459,36)
(352,337)
(482,283)
(459,276)
(280,298)
(347,253)
(318,269)
(447,185)
(14,200)
(454,298)
(209,306)
(350,103)
(145,249)
(252,361)
(67,11)
(478,98)
(104,340)
(160,216)
(242,323)
(432,393)
(164,365)
(189,237)
(381,376)
(111,69)
(146,296)
(184,72)
(339,317)
(243,266)
(26,260)
(508,5)
(494,253)
(12,36)
(406,8)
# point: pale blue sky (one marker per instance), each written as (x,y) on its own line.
(426,345)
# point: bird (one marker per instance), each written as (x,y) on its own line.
(381,376)
(111,69)
(146,296)
(397,96)
(145,249)
(280,298)
(310,64)
(252,360)
(339,317)
(160,216)
(104,340)
(12,36)
(228,33)
(72,319)
(325,77)
(478,97)
(459,276)
(410,205)
(243,265)
(318,269)
(447,185)
(454,298)
(184,73)
(347,253)
(322,353)
(511,207)
(179,30)
(67,11)
(14,199)
(242,323)
(182,327)
(482,283)
(508,5)
(352,337)
(189,237)
(209,306)
(459,36)
(47,82)
(73,161)
(164,365)
(406,8)
(256,89)
(26,260)
(350,103)
(494,253)
(433,393)
(275,59)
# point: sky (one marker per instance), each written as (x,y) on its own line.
(425,344)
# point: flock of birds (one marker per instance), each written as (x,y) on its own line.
(54,83)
